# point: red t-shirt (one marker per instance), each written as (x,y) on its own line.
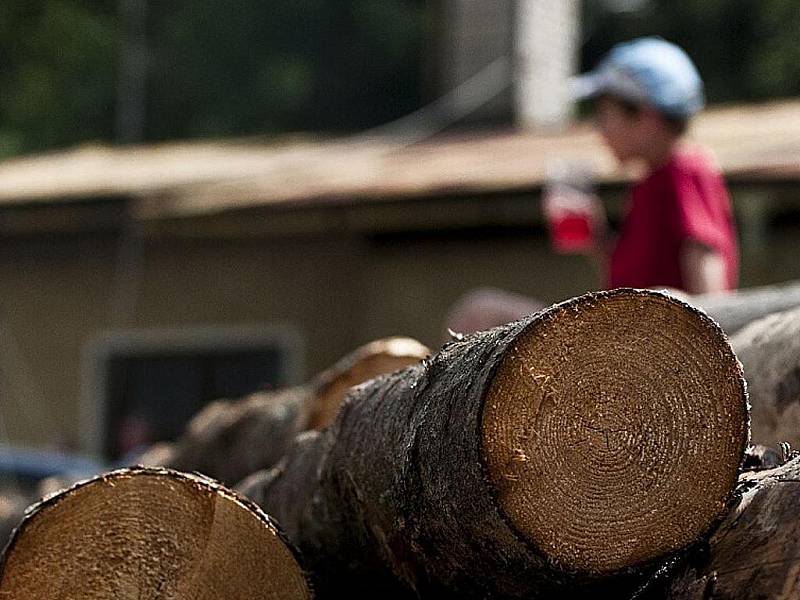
(685,199)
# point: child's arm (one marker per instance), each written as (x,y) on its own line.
(603,241)
(702,268)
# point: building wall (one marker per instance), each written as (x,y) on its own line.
(413,283)
(57,294)
(53,295)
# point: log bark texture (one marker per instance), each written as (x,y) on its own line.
(760,458)
(139,533)
(770,353)
(554,455)
(755,553)
(229,440)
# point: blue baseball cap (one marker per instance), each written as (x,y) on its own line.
(648,70)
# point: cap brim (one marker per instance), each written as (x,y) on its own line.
(607,80)
(588,85)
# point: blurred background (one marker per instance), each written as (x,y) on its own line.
(203,199)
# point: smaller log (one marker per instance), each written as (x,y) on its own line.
(769,350)
(755,553)
(229,440)
(371,360)
(735,310)
(149,533)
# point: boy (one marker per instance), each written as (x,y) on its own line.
(679,229)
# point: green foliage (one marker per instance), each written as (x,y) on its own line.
(744,49)
(774,66)
(239,67)
(57,77)
(222,68)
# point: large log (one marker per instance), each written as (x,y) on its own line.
(770,353)
(153,534)
(550,455)
(229,440)
(755,553)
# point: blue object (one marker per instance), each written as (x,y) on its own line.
(30,466)
(647,70)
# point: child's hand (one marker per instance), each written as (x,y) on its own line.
(576,219)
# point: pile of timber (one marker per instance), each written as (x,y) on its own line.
(557,454)
(230,439)
(598,448)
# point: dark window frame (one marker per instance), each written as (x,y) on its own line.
(108,346)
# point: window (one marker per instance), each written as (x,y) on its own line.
(143,386)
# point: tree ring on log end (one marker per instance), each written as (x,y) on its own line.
(614,429)
(149,533)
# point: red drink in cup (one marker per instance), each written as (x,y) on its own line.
(571,209)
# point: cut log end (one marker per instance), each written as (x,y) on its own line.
(615,438)
(147,533)
(371,360)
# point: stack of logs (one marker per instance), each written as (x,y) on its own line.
(598,448)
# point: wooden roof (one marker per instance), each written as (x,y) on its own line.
(752,143)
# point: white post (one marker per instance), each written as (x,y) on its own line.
(547,36)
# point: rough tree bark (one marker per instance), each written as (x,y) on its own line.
(149,534)
(755,553)
(230,440)
(759,458)
(550,455)
(770,353)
